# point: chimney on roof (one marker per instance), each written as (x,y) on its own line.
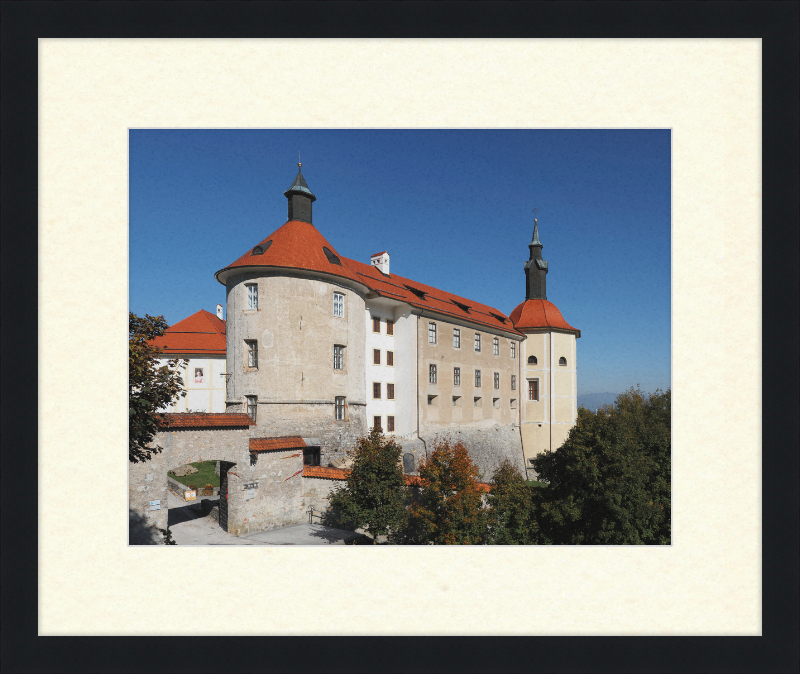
(300,198)
(219,311)
(381,261)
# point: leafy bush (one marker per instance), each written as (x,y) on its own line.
(609,483)
(447,507)
(373,497)
(512,508)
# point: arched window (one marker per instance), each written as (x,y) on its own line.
(562,361)
(532,360)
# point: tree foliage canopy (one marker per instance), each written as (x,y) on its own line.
(449,506)
(373,497)
(609,483)
(151,385)
(512,508)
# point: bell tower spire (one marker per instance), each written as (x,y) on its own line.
(535,267)
(300,198)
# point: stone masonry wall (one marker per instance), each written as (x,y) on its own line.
(488,447)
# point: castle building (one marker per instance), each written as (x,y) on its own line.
(200,339)
(320,348)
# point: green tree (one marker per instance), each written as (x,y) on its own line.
(609,483)
(447,506)
(373,497)
(511,513)
(151,385)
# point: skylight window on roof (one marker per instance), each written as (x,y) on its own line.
(261,248)
(419,293)
(331,257)
(463,307)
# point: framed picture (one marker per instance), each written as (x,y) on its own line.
(198,375)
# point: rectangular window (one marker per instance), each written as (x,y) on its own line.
(477,378)
(376,390)
(390,391)
(252,297)
(376,423)
(311,456)
(456,376)
(389,327)
(252,406)
(432,374)
(533,390)
(376,356)
(456,338)
(497,380)
(339,409)
(431,333)
(513,382)
(477,342)
(513,349)
(390,424)
(338,305)
(252,353)
(390,358)
(338,357)
(496,346)
(376,324)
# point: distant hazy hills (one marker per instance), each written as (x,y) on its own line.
(592,401)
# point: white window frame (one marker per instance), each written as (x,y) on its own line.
(340,403)
(252,353)
(477,342)
(338,305)
(513,382)
(534,392)
(513,349)
(431,332)
(495,346)
(431,373)
(477,379)
(497,380)
(252,404)
(252,296)
(456,376)
(338,357)
(456,338)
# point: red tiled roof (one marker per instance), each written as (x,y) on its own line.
(298,245)
(206,420)
(200,333)
(341,474)
(267,444)
(376,254)
(540,314)
(439,301)
(322,471)
(295,245)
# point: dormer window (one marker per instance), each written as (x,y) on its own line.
(419,293)
(463,307)
(261,248)
(331,257)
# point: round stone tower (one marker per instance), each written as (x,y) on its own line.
(295,334)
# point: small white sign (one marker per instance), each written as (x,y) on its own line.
(155,505)
(190,496)
(251,493)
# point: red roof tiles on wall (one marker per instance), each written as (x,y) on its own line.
(540,314)
(267,444)
(201,333)
(206,420)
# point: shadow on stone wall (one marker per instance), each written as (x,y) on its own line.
(140,532)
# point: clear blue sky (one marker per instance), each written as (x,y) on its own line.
(452,207)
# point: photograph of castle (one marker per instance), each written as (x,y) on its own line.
(313,348)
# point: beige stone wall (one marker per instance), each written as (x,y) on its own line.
(296,330)
(495,404)
(546,423)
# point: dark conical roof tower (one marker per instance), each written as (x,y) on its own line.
(535,269)
(300,198)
